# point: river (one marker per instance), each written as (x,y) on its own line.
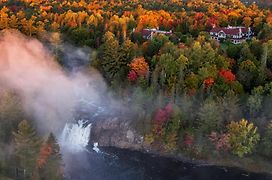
(109,163)
(119,164)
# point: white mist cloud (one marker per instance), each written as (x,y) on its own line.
(48,93)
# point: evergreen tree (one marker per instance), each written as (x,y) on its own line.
(109,54)
(26,148)
(10,114)
(156,44)
(231,107)
(127,52)
(246,54)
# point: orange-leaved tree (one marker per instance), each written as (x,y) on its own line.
(140,66)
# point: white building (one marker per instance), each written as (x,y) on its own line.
(236,34)
(149,33)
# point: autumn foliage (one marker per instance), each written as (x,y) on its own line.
(227,75)
(163,114)
(185,67)
(188,140)
(220,141)
(132,76)
(208,82)
(140,66)
(45,151)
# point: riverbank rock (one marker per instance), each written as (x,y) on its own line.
(116,132)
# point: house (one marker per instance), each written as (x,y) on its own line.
(149,33)
(236,34)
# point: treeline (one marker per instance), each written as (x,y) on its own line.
(85,22)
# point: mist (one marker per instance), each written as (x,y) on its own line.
(49,94)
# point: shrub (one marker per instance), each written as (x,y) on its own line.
(172,129)
(149,138)
(243,137)
(255,101)
(220,141)
(188,140)
(171,141)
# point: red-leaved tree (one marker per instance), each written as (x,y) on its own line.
(208,82)
(162,116)
(227,75)
(132,76)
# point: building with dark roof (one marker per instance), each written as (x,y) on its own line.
(149,33)
(236,34)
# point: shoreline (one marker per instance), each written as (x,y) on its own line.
(117,133)
(186,160)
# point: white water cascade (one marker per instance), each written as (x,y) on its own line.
(75,136)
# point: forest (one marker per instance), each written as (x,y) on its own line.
(193,95)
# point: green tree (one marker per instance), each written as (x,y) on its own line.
(265,33)
(195,55)
(10,114)
(192,81)
(255,101)
(109,54)
(267,100)
(207,71)
(80,36)
(127,52)
(27,145)
(231,107)
(210,116)
(155,45)
(269,53)
(256,48)
(171,48)
(266,142)
(246,54)
(247,74)
(172,131)
(171,70)
(243,137)
(233,51)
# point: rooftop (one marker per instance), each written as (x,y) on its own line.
(233,30)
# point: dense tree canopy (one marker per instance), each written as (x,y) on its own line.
(189,91)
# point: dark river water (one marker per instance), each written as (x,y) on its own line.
(118,164)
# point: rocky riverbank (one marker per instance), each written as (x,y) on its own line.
(120,133)
(117,132)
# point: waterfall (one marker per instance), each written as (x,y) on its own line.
(75,136)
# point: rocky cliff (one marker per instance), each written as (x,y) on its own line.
(116,132)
